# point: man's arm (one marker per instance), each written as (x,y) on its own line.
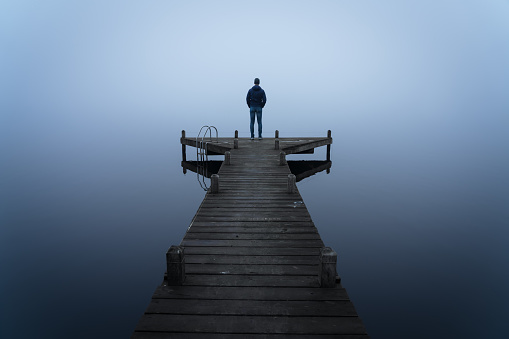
(264,99)
(247,98)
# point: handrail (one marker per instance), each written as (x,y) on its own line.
(202,156)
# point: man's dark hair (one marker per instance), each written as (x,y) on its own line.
(257,81)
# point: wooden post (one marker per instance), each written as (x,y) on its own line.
(291,183)
(236,134)
(214,183)
(183,145)
(235,143)
(175,266)
(227,157)
(327,267)
(329,135)
(277,134)
(276,144)
(282,158)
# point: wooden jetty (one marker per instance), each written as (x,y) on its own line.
(252,264)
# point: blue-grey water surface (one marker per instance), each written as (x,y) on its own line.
(89,207)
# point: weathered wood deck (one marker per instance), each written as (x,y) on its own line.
(252,259)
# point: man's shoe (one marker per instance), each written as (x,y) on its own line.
(260,138)
(252,138)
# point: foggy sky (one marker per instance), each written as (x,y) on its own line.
(341,61)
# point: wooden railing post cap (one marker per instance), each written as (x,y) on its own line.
(175,254)
(176,249)
(328,255)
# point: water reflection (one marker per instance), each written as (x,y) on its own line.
(305,168)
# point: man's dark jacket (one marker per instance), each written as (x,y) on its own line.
(256,97)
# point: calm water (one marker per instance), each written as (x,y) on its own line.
(418,213)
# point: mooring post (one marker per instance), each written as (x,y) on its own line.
(277,134)
(329,135)
(327,269)
(291,183)
(175,266)
(183,145)
(282,158)
(214,183)
(236,140)
(276,146)
(227,157)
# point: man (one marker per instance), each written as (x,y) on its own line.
(256,100)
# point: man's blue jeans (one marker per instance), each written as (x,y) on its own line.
(258,112)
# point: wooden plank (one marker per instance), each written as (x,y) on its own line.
(296,216)
(274,188)
(250,194)
(257,168)
(229,201)
(250,213)
(266,218)
(218,147)
(252,260)
(304,146)
(229,198)
(253,209)
(270,205)
(252,236)
(254,293)
(251,251)
(250,324)
(167,335)
(276,179)
(253,224)
(253,229)
(253,197)
(308,308)
(253,194)
(252,243)
(251,280)
(226,270)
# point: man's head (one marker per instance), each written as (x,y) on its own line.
(257,81)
